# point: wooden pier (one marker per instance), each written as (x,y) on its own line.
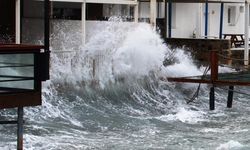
(31,64)
(213,48)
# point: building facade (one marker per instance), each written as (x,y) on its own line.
(187,19)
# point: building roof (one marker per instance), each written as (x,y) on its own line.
(209,1)
(128,2)
(134,2)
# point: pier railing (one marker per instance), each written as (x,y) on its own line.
(214,52)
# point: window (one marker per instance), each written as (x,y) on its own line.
(7,21)
(173,15)
(231,12)
(32,22)
(67,11)
(126,12)
(94,11)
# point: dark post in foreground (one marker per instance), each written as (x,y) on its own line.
(230,96)
(214,77)
(20,128)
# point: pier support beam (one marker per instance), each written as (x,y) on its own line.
(230,97)
(214,76)
(206,19)
(214,60)
(246,51)
(20,128)
(153,13)
(84,22)
(211,99)
(136,12)
(169,19)
(221,19)
(18,22)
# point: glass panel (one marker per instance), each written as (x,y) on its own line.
(17,71)
(33,22)
(67,10)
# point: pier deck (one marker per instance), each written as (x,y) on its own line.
(22,70)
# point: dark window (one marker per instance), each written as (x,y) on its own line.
(66,10)
(67,13)
(32,22)
(94,11)
(229,15)
(7,21)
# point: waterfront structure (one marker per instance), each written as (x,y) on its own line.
(173,18)
(23,66)
(188,18)
(23,25)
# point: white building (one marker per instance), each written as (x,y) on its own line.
(188,19)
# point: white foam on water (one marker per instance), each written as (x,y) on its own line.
(142,51)
(123,49)
(230,145)
(116,49)
(183,66)
(184,115)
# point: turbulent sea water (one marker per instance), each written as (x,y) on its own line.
(109,96)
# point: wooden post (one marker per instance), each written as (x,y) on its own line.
(214,77)
(214,65)
(20,128)
(211,98)
(230,97)
(229,61)
(94,68)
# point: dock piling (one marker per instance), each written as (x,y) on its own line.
(211,99)
(20,128)
(230,97)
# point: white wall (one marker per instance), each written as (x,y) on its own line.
(144,10)
(214,20)
(239,26)
(185,21)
